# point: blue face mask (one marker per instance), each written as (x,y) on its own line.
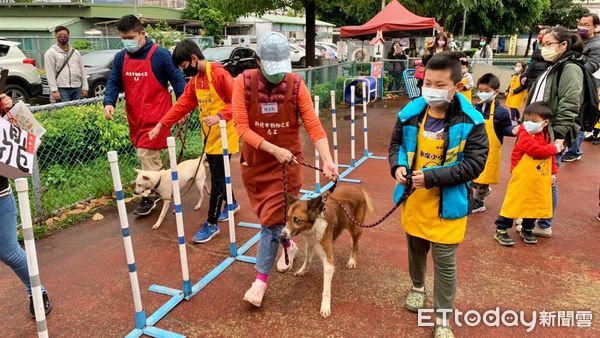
(131,45)
(533,127)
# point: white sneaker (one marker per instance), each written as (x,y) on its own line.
(542,232)
(292,252)
(255,294)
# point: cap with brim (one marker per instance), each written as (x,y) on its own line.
(274,53)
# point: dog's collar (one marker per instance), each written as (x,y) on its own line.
(157,184)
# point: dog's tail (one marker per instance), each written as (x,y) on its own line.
(369,203)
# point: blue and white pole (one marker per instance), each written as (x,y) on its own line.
(365,128)
(352,126)
(317,156)
(336,158)
(233,251)
(140,313)
(187,285)
(32,264)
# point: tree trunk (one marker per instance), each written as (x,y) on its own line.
(528,43)
(310,9)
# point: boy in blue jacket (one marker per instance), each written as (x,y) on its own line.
(440,139)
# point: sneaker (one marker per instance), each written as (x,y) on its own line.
(415,300)
(503,238)
(146,205)
(225,215)
(47,304)
(292,252)
(598,217)
(528,236)
(206,233)
(596,141)
(570,158)
(255,294)
(478,206)
(441,331)
(542,232)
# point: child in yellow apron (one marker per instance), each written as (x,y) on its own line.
(529,192)
(467,80)
(497,125)
(209,90)
(516,95)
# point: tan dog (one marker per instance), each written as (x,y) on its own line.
(161,183)
(320,227)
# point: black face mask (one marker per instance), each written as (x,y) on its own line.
(191,71)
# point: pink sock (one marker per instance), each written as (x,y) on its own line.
(263,277)
(287,244)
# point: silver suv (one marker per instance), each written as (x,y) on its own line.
(24,80)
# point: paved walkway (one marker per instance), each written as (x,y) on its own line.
(84,268)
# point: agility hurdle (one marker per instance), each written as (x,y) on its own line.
(143,325)
(235,253)
(32,264)
(366,154)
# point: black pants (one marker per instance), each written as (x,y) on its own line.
(218,192)
(504,223)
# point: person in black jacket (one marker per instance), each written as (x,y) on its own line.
(11,252)
(537,64)
(395,66)
(439,139)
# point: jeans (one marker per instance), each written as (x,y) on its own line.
(218,192)
(575,148)
(11,252)
(504,223)
(69,94)
(267,248)
(444,273)
(545,223)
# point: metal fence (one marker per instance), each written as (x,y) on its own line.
(71,164)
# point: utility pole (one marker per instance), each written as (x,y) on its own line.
(382,4)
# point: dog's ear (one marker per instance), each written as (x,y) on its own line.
(314,207)
(137,170)
(145,178)
(290,199)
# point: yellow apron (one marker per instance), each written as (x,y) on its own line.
(491,171)
(421,211)
(210,103)
(529,193)
(515,100)
(467,93)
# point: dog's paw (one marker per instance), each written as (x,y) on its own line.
(325,310)
(156,226)
(301,272)
(351,265)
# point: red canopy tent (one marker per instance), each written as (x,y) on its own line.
(394,17)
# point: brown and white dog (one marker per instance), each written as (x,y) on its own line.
(321,223)
(161,183)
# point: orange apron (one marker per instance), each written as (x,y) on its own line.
(210,103)
(529,192)
(261,172)
(420,212)
(491,171)
(467,93)
(515,101)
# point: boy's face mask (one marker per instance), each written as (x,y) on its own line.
(518,69)
(486,96)
(436,97)
(534,127)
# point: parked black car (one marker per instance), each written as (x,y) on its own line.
(98,65)
(234,59)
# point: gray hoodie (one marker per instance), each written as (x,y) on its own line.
(72,76)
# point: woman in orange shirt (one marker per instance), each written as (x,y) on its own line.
(267,106)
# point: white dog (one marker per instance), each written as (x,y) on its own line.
(161,183)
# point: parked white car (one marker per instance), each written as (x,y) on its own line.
(298,56)
(24,80)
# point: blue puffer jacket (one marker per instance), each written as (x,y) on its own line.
(464,155)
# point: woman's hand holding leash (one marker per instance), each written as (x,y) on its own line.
(330,170)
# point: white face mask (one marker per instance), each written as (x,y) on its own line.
(435,97)
(486,96)
(533,127)
(517,69)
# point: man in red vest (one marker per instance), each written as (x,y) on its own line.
(143,71)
